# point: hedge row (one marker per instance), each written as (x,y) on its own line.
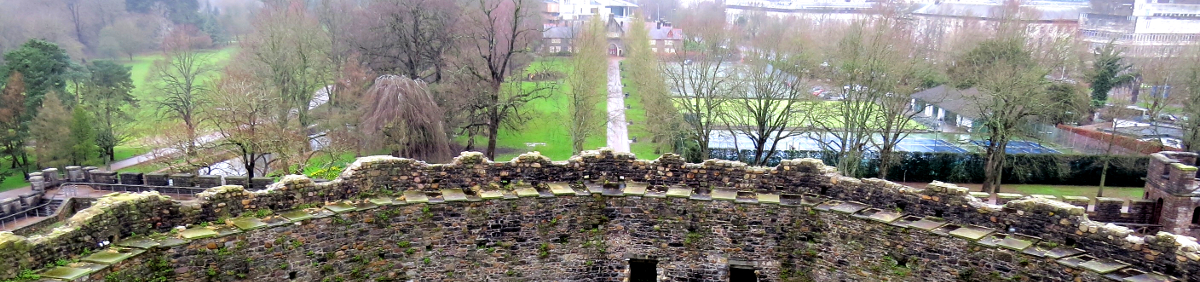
(1051,169)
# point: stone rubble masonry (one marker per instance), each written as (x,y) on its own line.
(1171,190)
(476,220)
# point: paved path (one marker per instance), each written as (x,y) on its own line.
(618,131)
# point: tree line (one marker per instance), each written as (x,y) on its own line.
(749,75)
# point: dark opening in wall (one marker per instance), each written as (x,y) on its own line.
(742,274)
(292,275)
(1196,216)
(1070,242)
(643,270)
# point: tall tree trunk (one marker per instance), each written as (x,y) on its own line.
(493,128)
(1107,159)
(885,161)
(995,166)
(249,165)
(191,135)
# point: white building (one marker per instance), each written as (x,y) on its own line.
(1143,28)
(581,10)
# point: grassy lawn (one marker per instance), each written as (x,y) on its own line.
(547,123)
(643,148)
(1067,190)
(128,151)
(1059,190)
(16,179)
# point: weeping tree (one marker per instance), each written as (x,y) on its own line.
(401,116)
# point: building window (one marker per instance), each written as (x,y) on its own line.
(742,273)
(670,50)
(556,41)
(652,43)
(669,42)
(643,270)
(653,49)
(554,49)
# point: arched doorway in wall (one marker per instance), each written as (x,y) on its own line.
(1156,214)
(614,49)
(1196,216)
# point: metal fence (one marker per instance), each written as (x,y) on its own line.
(35,211)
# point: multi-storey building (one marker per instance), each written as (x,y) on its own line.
(1143,28)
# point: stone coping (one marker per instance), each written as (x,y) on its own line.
(977,235)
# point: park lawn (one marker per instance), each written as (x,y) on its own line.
(1069,190)
(16,179)
(128,151)
(548,121)
(13,180)
(643,148)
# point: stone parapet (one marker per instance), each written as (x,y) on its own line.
(624,183)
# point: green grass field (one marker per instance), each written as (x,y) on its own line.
(15,178)
(643,148)
(1067,190)
(547,123)
(1064,190)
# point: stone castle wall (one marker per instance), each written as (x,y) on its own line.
(1171,185)
(799,218)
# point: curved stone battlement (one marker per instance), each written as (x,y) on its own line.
(690,196)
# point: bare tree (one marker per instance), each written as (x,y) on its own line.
(1012,89)
(1191,82)
(703,74)
(128,36)
(289,53)
(497,42)
(1161,72)
(866,66)
(768,107)
(242,109)
(902,73)
(587,80)
(179,80)
(409,37)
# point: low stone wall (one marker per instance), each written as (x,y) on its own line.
(792,183)
(66,210)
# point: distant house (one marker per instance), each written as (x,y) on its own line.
(665,39)
(948,105)
(558,39)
